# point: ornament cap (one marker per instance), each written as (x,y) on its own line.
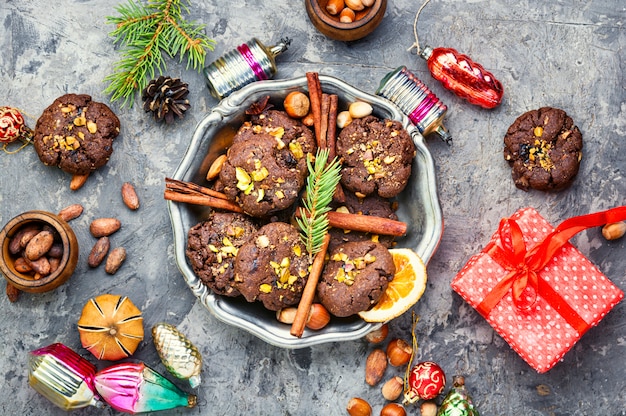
(280,47)
(426,52)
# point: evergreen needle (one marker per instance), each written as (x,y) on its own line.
(149,33)
(321,184)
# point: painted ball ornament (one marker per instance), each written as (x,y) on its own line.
(426,380)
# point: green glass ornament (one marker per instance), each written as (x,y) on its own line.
(457,402)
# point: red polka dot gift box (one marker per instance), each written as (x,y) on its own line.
(535,288)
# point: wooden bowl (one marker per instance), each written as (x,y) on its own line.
(366,20)
(68,260)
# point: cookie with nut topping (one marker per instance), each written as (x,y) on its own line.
(273,266)
(76,134)
(212,246)
(377,156)
(544,149)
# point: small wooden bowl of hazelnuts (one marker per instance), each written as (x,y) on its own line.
(346,20)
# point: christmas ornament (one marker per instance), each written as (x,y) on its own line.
(457,402)
(110,327)
(63,377)
(136,388)
(181,358)
(415,100)
(13,127)
(459,74)
(166,97)
(252,61)
(426,381)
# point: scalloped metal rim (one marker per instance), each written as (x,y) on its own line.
(273,332)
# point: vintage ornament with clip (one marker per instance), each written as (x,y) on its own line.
(62,376)
(136,388)
(459,73)
(181,358)
(250,62)
(457,402)
(13,128)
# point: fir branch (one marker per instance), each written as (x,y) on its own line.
(149,33)
(321,184)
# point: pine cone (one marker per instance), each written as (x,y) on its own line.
(166,97)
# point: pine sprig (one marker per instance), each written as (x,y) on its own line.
(149,33)
(321,184)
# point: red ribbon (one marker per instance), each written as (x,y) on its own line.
(523,265)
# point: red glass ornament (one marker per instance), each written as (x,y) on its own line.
(12,125)
(464,77)
(426,381)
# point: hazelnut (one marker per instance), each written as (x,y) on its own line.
(378,335)
(428,408)
(297,104)
(347,15)
(614,230)
(399,352)
(355,5)
(318,316)
(392,389)
(393,409)
(335,6)
(358,407)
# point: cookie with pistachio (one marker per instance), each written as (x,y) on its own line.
(273,266)
(377,156)
(212,246)
(76,134)
(544,149)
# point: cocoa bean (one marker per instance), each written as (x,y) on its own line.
(115,260)
(375,366)
(56,250)
(99,251)
(71,212)
(101,227)
(25,233)
(129,196)
(40,266)
(12,292)
(21,266)
(54,263)
(39,245)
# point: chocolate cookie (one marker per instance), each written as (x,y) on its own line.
(377,156)
(544,149)
(260,177)
(212,246)
(370,205)
(289,132)
(273,266)
(355,277)
(76,134)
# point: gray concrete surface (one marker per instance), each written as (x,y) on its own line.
(569,54)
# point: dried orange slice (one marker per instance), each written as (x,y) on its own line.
(110,327)
(406,288)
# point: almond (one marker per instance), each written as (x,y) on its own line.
(129,196)
(375,366)
(78,181)
(101,227)
(216,167)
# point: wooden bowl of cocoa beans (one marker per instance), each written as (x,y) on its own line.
(346,20)
(39,251)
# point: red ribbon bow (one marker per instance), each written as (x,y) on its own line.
(523,265)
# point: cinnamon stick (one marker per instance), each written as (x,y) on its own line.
(331,134)
(315,96)
(308,294)
(364,223)
(322,142)
(190,187)
(205,200)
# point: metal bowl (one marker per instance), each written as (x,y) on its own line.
(418,206)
